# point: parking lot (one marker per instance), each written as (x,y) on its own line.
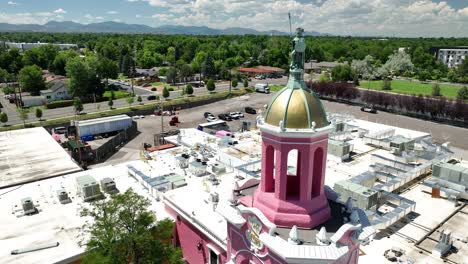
(189,118)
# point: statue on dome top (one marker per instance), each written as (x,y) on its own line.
(298,50)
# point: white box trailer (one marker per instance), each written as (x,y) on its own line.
(103,125)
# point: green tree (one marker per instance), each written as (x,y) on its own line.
(60,61)
(234,83)
(31,79)
(39,113)
(398,63)
(324,77)
(106,69)
(436,90)
(110,103)
(387,85)
(189,89)
(462,93)
(23,113)
(424,75)
(185,71)
(208,68)
(3,118)
(124,230)
(246,83)
(462,71)
(139,99)
(342,73)
(76,70)
(77,105)
(171,75)
(130,101)
(210,86)
(165,93)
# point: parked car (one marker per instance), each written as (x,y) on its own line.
(234,115)
(250,110)
(238,114)
(369,109)
(211,119)
(225,117)
(60,130)
(151,97)
(207,114)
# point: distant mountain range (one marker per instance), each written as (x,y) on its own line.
(116,27)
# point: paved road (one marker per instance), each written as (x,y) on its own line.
(192,117)
(13,116)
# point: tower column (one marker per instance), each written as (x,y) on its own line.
(281,169)
(305,162)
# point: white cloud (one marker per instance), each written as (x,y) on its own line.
(91,18)
(60,11)
(344,17)
(12,3)
(112,12)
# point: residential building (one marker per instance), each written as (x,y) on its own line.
(58,91)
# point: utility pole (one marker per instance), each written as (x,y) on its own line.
(162,122)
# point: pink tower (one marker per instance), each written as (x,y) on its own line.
(294,153)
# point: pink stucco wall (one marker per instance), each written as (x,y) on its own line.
(187,238)
(293,200)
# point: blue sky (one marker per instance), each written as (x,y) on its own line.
(358,17)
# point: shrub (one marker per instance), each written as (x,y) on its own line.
(234,83)
(189,89)
(462,93)
(153,89)
(436,90)
(170,89)
(387,85)
(58,104)
(165,93)
(210,86)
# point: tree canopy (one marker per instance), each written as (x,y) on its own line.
(31,79)
(124,230)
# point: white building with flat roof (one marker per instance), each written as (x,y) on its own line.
(452,57)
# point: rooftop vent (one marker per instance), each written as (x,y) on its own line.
(63,197)
(28,206)
(108,185)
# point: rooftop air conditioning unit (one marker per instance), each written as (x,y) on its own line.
(63,197)
(214,197)
(108,185)
(88,188)
(28,206)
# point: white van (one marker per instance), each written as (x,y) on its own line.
(262,88)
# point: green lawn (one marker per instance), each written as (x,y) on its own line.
(413,87)
(117,94)
(275,88)
(164,84)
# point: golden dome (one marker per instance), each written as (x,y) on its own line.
(297,108)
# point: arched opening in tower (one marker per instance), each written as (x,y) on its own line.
(317,172)
(293,175)
(270,169)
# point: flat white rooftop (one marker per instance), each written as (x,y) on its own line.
(31,154)
(55,222)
